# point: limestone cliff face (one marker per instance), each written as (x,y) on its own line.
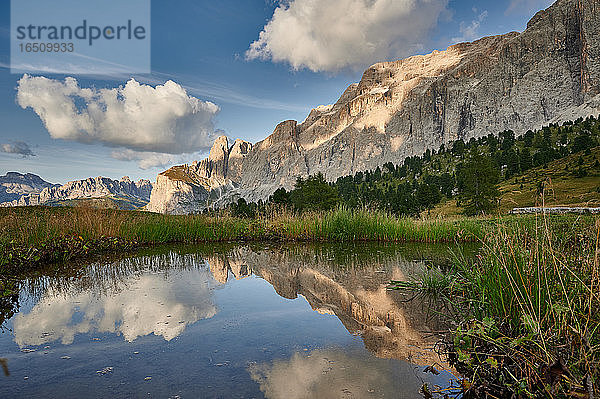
(203,184)
(519,81)
(98,187)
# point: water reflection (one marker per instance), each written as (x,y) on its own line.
(156,304)
(281,321)
(163,293)
(334,374)
(354,292)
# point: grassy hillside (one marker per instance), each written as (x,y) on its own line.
(563,185)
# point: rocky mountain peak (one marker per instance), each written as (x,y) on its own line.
(13,185)
(215,166)
(237,155)
(220,149)
(240,149)
(517,81)
(284,132)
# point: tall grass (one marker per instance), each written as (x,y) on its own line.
(535,298)
(35,225)
(367,225)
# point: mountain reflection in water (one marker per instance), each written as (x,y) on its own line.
(165,292)
(354,291)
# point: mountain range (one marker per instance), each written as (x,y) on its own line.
(517,81)
(14,185)
(548,73)
(29,189)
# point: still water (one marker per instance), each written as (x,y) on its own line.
(231,321)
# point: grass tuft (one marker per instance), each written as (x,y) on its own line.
(532,298)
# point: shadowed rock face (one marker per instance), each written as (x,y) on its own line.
(518,81)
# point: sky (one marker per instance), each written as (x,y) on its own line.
(233,67)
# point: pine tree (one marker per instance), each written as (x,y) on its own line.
(280,196)
(477,179)
(525,160)
(314,193)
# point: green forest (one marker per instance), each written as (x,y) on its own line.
(468,172)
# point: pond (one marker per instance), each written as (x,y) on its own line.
(226,321)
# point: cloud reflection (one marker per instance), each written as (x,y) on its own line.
(336,374)
(143,305)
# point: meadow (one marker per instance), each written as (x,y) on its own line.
(34,225)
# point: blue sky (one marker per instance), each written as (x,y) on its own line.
(203,46)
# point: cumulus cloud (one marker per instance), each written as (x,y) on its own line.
(148,160)
(470,32)
(332,35)
(335,373)
(17,147)
(159,120)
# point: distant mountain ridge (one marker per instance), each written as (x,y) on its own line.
(517,81)
(98,187)
(13,185)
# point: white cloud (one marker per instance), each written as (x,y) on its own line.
(17,147)
(470,32)
(148,160)
(331,35)
(333,373)
(138,117)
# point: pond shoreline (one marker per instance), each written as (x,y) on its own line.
(528,325)
(513,304)
(34,236)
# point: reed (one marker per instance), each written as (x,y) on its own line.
(368,225)
(532,298)
(36,225)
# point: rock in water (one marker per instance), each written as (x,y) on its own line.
(518,81)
